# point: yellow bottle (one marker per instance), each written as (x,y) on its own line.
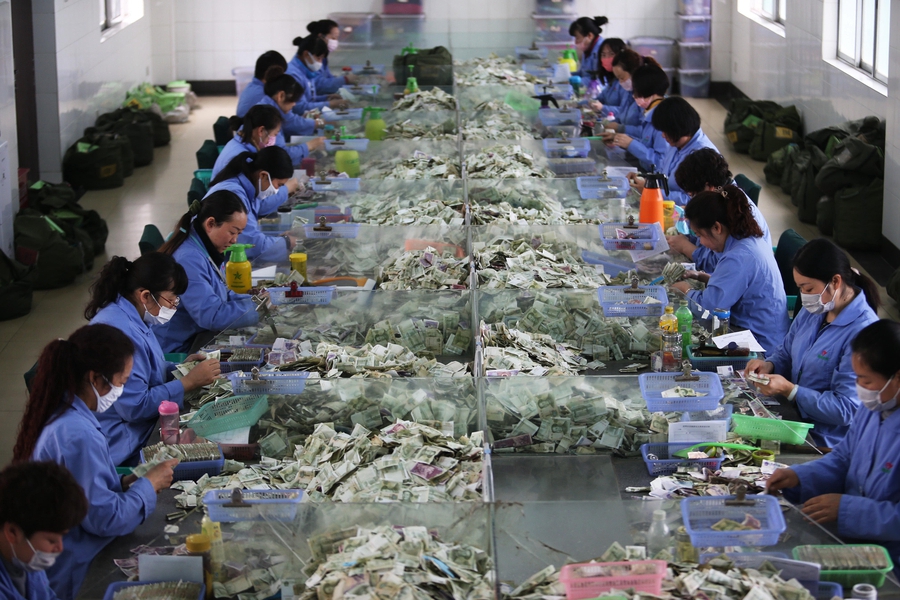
(375,126)
(668,214)
(568,58)
(237,271)
(669,322)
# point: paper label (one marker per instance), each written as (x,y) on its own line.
(733,137)
(726,371)
(784,133)
(698,431)
(750,122)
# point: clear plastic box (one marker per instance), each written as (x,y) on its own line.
(356,28)
(399,30)
(695,7)
(559,91)
(358,144)
(552,29)
(662,49)
(402,7)
(538,70)
(577,148)
(701,513)
(693,29)
(694,83)
(261,505)
(550,117)
(242,78)
(564,8)
(694,57)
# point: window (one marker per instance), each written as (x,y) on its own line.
(864,35)
(771,10)
(116,14)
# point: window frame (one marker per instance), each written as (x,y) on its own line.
(857,62)
(778,15)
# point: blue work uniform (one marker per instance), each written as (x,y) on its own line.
(865,469)
(706,260)
(591,60)
(250,97)
(612,96)
(817,360)
(309,100)
(747,282)
(647,143)
(291,124)
(37,586)
(326,81)
(672,160)
(236,147)
(207,305)
(267,248)
(628,113)
(128,424)
(74,440)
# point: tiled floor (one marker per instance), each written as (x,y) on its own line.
(156,194)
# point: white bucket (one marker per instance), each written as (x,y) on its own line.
(242,77)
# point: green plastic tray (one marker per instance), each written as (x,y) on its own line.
(229,413)
(758,428)
(848,579)
(176,357)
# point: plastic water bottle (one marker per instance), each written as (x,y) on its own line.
(685,323)
(168,422)
(658,537)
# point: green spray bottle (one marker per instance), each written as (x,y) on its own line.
(375,126)
(237,271)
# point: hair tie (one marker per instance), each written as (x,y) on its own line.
(195,207)
(855,270)
(723,192)
(182,230)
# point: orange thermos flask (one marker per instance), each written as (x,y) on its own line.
(652,198)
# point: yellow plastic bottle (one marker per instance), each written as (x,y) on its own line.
(237,271)
(669,322)
(668,214)
(568,58)
(375,126)
(347,161)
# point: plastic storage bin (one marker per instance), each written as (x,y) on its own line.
(640,235)
(720,413)
(556,7)
(194,470)
(356,28)
(229,413)
(115,587)
(242,78)
(399,30)
(711,363)
(336,184)
(694,57)
(693,29)
(660,48)
(694,84)
(559,91)
(665,464)
(403,7)
(350,114)
(357,144)
(611,266)
(569,167)
(654,384)
(538,70)
(552,30)
(556,117)
(850,577)
(274,382)
(243,365)
(337,230)
(529,53)
(587,580)
(788,432)
(701,513)
(592,188)
(307,295)
(262,505)
(577,148)
(695,7)
(614,302)
(828,590)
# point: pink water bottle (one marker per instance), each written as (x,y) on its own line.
(169,422)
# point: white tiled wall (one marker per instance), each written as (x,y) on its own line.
(8,119)
(78,76)
(891,225)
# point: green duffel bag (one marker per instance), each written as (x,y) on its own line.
(871,128)
(804,192)
(140,136)
(854,162)
(55,194)
(59,201)
(825,215)
(857,216)
(774,168)
(41,243)
(789,158)
(94,164)
(161,134)
(106,119)
(16,288)
(222,131)
(207,154)
(743,119)
(769,138)
(93,134)
(431,66)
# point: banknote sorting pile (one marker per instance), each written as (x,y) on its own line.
(533,263)
(157,453)
(395,563)
(736,472)
(399,210)
(504,162)
(412,130)
(845,558)
(177,590)
(418,166)
(431,100)
(497,125)
(393,360)
(529,201)
(426,269)
(493,70)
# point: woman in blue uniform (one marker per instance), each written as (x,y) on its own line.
(282,93)
(746,280)
(311,52)
(644,141)
(857,485)
(39,503)
(326,81)
(77,378)
(254,178)
(612,93)
(624,65)
(197,244)
(812,367)
(588,40)
(254,91)
(134,297)
(258,129)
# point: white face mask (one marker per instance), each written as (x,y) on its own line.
(109,398)
(332,45)
(40,561)
(871,399)
(165,314)
(271,190)
(314,65)
(626,85)
(813,302)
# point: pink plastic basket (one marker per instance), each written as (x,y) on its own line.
(589,580)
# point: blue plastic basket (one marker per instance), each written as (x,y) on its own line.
(577,148)
(309,295)
(194,470)
(555,117)
(336,184)
(227,414)
(350,114)
(243,365)
(272,382)
(115,587)
(723,413)
(702,512)
(641,234)
(264,505)
(613,300)
(741,559)
(663,464)
(592,183)
(654,384)
(611,266)
(828,590)
(711,363)
(337,230)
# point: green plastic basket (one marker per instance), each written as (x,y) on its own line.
(758,428)
(849,578)
(228,414)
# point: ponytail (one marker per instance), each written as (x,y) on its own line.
(266,60)
(219,205)
(278,81)
(260,115)
(61,374)
(586,25)
(154,272)
(728,207)
(321,28)
(821,259)
(312,44)
(630,61)
(273,160)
